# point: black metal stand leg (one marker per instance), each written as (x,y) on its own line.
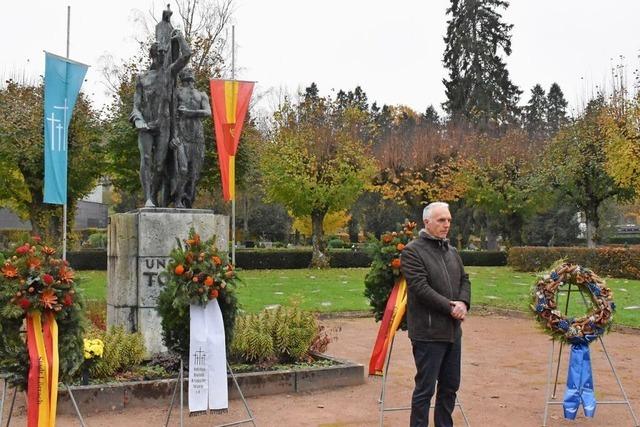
(555,383)
(13,401)
(75,405)
(548,389)
(181,379)
(173,399)
(251,418)
(384,381)
(4,396)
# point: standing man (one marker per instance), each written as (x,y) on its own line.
(438,297)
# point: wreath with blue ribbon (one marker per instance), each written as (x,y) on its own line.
(578,332)
(573,330)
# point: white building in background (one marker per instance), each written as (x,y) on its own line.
(91,212)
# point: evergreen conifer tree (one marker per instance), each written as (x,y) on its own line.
(556,109)
(479,89)
(535,113)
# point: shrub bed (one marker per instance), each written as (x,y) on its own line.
(606,261)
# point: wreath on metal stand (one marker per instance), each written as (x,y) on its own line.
(577,331)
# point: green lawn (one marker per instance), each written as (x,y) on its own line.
(342,290)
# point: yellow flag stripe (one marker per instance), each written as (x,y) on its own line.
(55,366)
(231,99)
(232,177)
(399,309)
(43,376)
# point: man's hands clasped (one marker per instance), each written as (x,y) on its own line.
(458,309)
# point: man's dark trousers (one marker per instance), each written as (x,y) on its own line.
(435,361)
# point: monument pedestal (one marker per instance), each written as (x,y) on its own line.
(139,246)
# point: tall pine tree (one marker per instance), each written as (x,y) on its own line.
(479,89)
(556,109)
(535,112)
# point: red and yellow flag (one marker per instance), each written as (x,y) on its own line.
(393,314)
(230,102)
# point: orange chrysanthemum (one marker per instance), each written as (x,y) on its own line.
(216,260)
(195,241)
(395,263)
(48,298)
(65,275)
(33,263)
(48,250)
(9,270)
(400,246)
(387,238)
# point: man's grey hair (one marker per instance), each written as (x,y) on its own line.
(428,210)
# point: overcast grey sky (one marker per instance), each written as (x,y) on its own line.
(392,49)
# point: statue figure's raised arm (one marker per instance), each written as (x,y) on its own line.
(185,53)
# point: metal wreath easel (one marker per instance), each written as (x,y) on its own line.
(382,398)
(180,384)
(5,388)
(551,397)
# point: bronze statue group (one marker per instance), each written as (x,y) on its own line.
(168,117)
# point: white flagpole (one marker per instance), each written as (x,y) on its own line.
(233,201)
(64,206)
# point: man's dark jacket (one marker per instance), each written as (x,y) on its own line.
(435,275)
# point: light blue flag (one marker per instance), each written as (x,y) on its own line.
(62,81)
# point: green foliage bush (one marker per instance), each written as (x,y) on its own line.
(97,240)
(605,261)
(274,336)
(122,351)
(9,236)
(337,243)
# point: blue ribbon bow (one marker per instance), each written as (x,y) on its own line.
(580,388)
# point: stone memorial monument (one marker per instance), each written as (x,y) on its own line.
(171,143)
(139,246)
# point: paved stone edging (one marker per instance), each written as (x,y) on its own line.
(156,393)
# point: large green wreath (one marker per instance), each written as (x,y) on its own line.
(573,330)
(197,273)
(385,268)
(33,279)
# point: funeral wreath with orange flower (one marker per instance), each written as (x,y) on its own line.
(34,279)
(385,267)
(196,273)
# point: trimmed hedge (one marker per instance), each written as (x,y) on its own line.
(604,261)
(484,258)
(88,259)
(292,259)
(288,259)
(633,239)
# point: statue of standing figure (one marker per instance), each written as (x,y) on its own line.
(193,105)
(170,139)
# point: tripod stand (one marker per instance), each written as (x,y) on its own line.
(180,384)
(402,408)
(551,397)
(5,388)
